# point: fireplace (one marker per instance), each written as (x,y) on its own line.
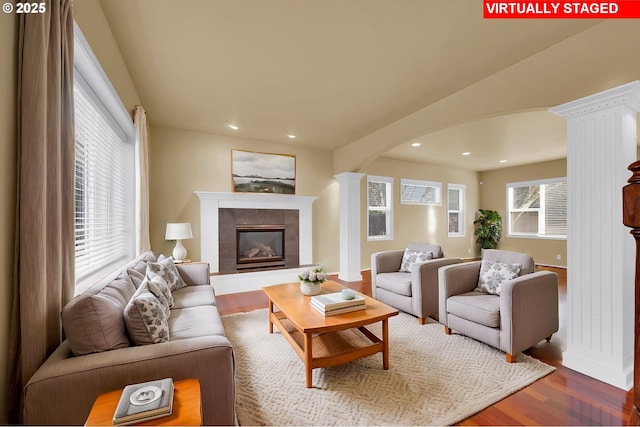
(260,246)
(258,239)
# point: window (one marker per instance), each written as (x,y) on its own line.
(414,192)
(455,208)
(538,208)
(104,171)
(380,208)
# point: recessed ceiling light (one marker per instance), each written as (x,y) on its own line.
(234,127)
(503,161)
(416,144)
(291,136)
(466,153)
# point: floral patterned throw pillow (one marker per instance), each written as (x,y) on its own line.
(168,271)
(146,319)
(412,256)
(159,288)
(493,274)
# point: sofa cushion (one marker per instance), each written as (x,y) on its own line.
(136,277)
(145,318)
(192,322)
(168,271)
(411,256)
(140,263)
(477,307)
(193,296)
(93,321)
(396,282)
(493,274)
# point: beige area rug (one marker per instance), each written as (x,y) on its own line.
(434,379)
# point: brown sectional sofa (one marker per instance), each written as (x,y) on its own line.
(98,354)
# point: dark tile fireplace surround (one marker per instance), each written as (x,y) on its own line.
(265,227)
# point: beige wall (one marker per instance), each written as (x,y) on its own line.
(421,223)
(90,18)
(493,195)
(8,158)
(183,162)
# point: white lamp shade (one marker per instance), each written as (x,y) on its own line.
(178,231)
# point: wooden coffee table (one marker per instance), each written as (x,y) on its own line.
(327,341)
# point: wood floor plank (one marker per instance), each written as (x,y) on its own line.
(565,397)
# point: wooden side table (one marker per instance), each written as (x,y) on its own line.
(187,407)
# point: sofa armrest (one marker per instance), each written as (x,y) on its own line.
(63,389)
(194,273)
(454,280)
(424,285)
(528,310)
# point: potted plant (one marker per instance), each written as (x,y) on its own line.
(311,280)
(489,229)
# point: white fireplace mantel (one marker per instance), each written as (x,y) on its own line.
(211,202)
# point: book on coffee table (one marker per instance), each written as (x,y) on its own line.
(340,310)
(336,300)
(144,401)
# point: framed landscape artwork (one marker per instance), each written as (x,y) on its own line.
(253,172)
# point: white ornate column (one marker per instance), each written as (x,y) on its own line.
(601,143)
(350,226)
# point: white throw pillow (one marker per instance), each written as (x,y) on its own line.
(412,256)
(493,274)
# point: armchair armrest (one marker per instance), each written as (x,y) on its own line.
(454,280)
(386,262)
(528,310)
(424,285)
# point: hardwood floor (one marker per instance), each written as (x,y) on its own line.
(564,397)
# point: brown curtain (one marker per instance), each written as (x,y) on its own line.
(44,258)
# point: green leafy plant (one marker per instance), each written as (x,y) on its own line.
(488,228)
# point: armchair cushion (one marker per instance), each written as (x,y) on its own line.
(477,307)
(411,256)
(493,274)
(396,282)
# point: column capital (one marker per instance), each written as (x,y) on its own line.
(626,95)
(349,176)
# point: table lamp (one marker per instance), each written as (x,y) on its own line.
(178,231)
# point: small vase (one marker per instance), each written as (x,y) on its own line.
(310,288)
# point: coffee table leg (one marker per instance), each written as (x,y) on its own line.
(308,358)
(385,343)
(270,314)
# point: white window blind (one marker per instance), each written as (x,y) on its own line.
(104,175)
(538,208)
(380,207)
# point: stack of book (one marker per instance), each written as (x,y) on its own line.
(332,304)
(144,401)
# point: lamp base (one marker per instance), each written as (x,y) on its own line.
(179,252)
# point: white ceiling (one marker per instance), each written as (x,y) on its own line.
(334,71)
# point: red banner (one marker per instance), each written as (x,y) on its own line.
(589,9)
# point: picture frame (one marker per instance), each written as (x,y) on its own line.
(257,172)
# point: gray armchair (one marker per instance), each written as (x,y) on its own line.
(414,292)
(524,313)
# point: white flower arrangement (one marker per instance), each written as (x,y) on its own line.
(314,275)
